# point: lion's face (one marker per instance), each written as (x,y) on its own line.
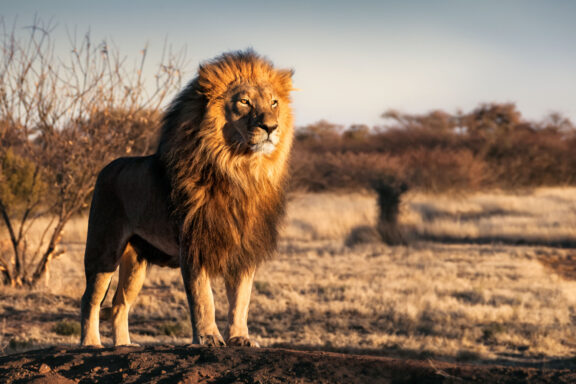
(252,118)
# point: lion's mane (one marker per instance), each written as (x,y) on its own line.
(226,200)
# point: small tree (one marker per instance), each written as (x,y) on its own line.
(389,193)
(321,130)
(492,120)
(60,122)
(436,121)
(357,132)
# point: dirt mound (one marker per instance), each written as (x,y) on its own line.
(193,364)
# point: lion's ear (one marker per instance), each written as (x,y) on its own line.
(286,73)
(206,81)
(285,79)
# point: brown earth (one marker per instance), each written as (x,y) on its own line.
(193,364)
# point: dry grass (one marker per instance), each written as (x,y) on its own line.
(327,216)
(461,301)
(546,215)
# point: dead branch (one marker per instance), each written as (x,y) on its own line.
(56,111)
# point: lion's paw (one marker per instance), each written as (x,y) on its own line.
(211,340)
(92,346)
(131,345)
(242,341)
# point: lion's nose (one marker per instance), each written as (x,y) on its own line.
(269,128)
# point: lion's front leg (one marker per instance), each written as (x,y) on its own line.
(238,290)
(201,302)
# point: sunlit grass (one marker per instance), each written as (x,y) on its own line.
(544,215)
(461,301)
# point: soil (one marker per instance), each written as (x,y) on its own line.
(194,364)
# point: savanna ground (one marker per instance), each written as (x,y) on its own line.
(483,278)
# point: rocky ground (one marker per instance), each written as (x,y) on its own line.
(193,364)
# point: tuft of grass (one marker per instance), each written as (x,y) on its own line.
(363,234)
(67,328)
(175,328)
(21,345)
(491,331)
(467,356)
(263,288)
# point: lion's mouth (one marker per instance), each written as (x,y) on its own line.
(264,147)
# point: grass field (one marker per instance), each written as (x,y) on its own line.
(482,276)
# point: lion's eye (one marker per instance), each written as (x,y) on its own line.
(244,101)
(274,103)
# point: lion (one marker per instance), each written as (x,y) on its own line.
(209,200)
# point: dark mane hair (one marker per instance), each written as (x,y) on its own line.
(227,202)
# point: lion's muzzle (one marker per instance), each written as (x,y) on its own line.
(265,139)
(268,127)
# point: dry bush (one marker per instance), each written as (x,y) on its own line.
(440,170)
(317,172)
(62,119)
(389,199)
(434,169)
(491,146)
(387,229)
(399,141)
(528,158)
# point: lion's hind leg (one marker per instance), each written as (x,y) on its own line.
(130,281)
(97,284)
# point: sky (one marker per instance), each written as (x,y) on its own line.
(354,59)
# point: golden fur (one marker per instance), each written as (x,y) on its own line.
(210,177)
(209,201)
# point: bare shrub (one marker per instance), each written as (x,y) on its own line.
(490,146)
(61,120)
(318,172)
(529,158)
(389,198)
(439,170)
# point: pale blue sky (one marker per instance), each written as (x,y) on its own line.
(356,59)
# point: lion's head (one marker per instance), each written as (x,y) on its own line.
(225,145)
(252,115)
(238,107)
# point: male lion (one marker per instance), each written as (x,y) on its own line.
(208,201)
